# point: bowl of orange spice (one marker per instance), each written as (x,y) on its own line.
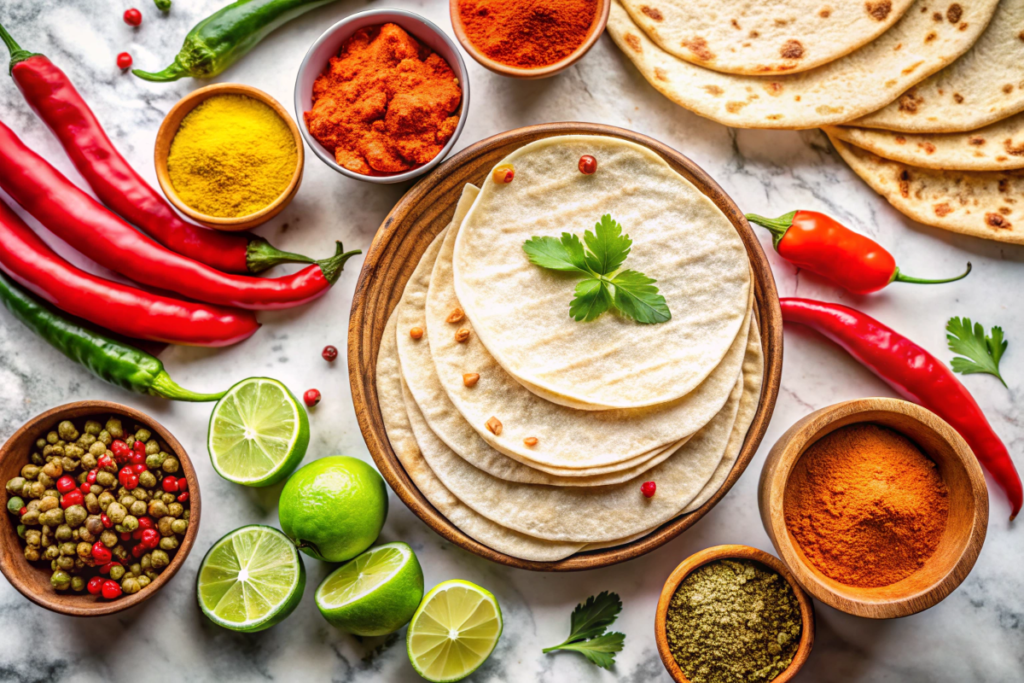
(382,96)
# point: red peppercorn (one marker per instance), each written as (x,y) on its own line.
(124,62)
(150,539)
(122,476)
(101,553)
(105,462)
(183,484)
(132,481)
(119,449)
(132,17)
(139,468)
(138,551)
(71,498)
(330,353)
(648,488)
(138,459)
(91,476)
(146,523)
(183,497)
(111,589)
(65,484)
(105,569)
(107,522)
(311,397)
(95,585)
(85,487)
(169,485)
(588,165)
(139,447)
(23,510)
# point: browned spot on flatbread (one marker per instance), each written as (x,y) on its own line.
(937,16)
(963,26)
(1001,158)
(633,42)
(774,117)
(904,181)
(754,34)
(825,12)
(927,147)
(954,12)
(735,25)
(699,48)
(713,90)
(797,98)
(1008,88)
(879,9)
(958,98)
(997,221)
(734,107)
(909,101)
(792,49)
(774,88)
(943,209)
(660,74)
(1021,35)
(1012,149)
(930,37)
(781,22)
(1004,185)
(1005,210)
(900,140)
(653,12)
(977,142)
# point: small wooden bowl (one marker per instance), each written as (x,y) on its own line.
(732,552)
(32,579)
(965,528)
(408,230)
(169,128)
(596,29)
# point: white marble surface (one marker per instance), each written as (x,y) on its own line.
(977,634)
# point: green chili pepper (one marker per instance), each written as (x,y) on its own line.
(110,360)
(226,36)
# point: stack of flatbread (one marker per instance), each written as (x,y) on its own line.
(923,99)
(534,433)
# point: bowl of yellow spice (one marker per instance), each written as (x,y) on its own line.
(229,156)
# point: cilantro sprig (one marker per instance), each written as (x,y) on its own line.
(587,631)
(982,352)
(598,258)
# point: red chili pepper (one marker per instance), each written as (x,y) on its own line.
(916,375)
(818,243)
(87,226)
(122,309)
(55,100)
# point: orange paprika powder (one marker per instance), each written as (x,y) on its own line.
(527,33)
(385,104)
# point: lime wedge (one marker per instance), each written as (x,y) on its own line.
(258,433)
(453,632)
(375,594)
(250,579)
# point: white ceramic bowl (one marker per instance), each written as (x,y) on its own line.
(329,44)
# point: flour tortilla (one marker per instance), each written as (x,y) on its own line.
(566,437)
(998,147)
(761,37)
(985,85)
(859,83)
(521,312)
(989,205)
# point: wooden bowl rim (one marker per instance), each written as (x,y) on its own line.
(362,376)
(805,432)
(169,128)
(13,568)
(596,29)
(732,552)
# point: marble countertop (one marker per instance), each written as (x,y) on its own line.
(976,634)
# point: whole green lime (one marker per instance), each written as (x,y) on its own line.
(334,508)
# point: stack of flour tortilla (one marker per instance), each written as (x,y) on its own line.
(923,99)
(534,433)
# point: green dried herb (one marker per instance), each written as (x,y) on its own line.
(733,622)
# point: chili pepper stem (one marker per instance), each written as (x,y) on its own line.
(261,255)
(18,55)
(333,266)
(776,226)
(171,73)
(897,276)
(165,387)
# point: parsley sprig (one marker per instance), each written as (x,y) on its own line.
(632,293)
(982,352)
(587,632)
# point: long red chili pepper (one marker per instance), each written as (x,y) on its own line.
(125,310)
(820,244)
(916,375)
(55,100)
(90,228)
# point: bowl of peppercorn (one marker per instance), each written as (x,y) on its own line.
(102,508)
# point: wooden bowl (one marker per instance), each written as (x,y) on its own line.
(32,579)
(419,216)
(965,529)
(169,128)
(732,552)
(595,31)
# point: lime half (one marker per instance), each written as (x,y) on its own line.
(258,433)
(374,594)
(453,632)
(250,579)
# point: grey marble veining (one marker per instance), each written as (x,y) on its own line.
(977,634)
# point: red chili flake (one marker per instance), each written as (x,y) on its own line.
(648,488)
(23,510)
(588,165)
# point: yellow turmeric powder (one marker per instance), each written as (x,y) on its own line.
(232,156)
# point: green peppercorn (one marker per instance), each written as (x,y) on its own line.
(130,523)
(75,515)
(83,534)
(65,562)
(51,493)
(170,465)
(130,586)
(51,553)
(21,531)
(120,552)
(75,451)
(96,449)
(54,517)
(104,438)
(36,490)
(87,441)
(108,538)
(67,431)
(31,553)
(157,509)
(152,448)
(92,503)
(147,479)
(169,543)
(105,498)
(46,480)
(15,485)
(77,584)
(153,462)
(116,572)
(130,441)
(30,518)
(160,559)
(70,464)
(33,537)
(40,443)
(14,505)
(135,569)
(106,479)
(153,574)
(46,537)
(179,526)
(64,533)
(146,561)
(52,469)
(52,438)
(143,435)
(141,494)
(165,525)
(144,580)
(175,509)
(60,580)
(83,550)
(30,472)
(116,512)
(114,427)
(92,427)
(126,500)
(37,459)
(48,503)
(56,451)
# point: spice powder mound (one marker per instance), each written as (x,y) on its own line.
(733,621)
(385,104)
(866,506)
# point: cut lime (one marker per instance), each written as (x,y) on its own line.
(374,594)
(250,579)
(258,433)
(453,632)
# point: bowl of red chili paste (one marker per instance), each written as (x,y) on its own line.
(382,96)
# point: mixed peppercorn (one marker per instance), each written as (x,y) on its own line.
(103,502)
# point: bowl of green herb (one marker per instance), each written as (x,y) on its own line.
(732,612)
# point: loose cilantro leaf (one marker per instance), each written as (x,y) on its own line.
(982,352)
(587,632)
(632,293)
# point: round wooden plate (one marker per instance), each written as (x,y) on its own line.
(406,233)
